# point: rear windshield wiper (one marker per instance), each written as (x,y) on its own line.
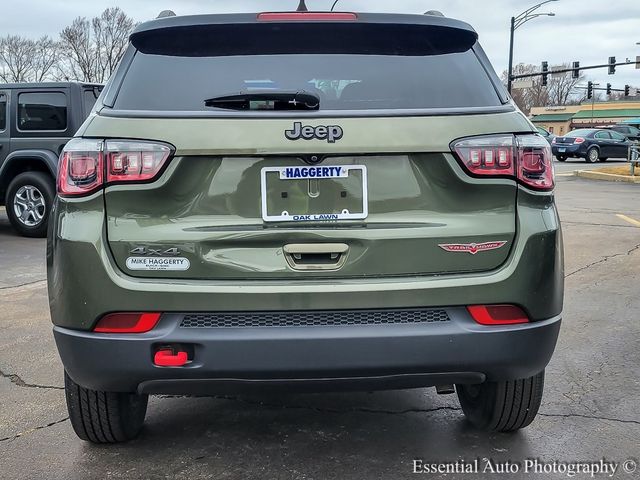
(266,100)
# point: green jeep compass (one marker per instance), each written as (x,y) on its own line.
(304,200)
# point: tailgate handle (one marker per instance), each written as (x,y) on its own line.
(316,256)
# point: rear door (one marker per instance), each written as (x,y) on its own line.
(364,186)
(620,145)
(603,140)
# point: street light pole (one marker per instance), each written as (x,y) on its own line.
(513,31)
(517,22)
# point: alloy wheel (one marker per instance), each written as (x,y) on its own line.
(29,205)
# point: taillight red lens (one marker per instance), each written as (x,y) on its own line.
(306,16)
(524,157)
(87,164)
(134,161)
(127,323)
(498,314)
(579,140)
(535,167)
(80,167)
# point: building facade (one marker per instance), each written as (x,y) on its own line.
(560,120)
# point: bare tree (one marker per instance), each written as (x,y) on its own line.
(537,95)
(111,35)
(94,48)
(79,51)
(562,86)
(45,58)
(560,89)
(16,58)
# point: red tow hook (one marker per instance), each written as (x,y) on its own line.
(167,358)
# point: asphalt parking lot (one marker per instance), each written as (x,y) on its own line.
(589,413)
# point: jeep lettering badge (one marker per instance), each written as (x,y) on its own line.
(330,133)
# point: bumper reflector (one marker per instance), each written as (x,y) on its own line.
(127,323)
(497,314)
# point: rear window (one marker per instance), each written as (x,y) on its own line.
(42,111)
(580,133)
(347,68)
(89,97)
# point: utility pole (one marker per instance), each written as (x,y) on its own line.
(517,22)
(513,31)
(593,103)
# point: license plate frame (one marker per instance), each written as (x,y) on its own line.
(337,172)
(562,149)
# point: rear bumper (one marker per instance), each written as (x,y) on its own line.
(362,357)
(569,150)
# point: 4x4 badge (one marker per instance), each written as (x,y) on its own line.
(157,252)
(330,133)
(472,248)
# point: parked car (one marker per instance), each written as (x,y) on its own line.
(212,235)
(36,121)
(548,136)
(632,133)
(592,144)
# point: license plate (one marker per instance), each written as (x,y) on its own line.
(562,150)
(314,193)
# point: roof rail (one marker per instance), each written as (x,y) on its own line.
(166,13)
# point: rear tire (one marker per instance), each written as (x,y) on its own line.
(561,158)
(604,159)
(104,417)
(502,406)
(593,155)
(29,202)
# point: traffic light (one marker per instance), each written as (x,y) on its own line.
(627,90)
(612,65)
(576,70)
(608,89)
(545,73)
(590,90)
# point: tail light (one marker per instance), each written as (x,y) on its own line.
(134,161)
(579,140)
(127,323)
(553,140)
(498,314)
(526,158)
(81,168)
(87,165)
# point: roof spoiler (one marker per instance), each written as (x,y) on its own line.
(371,34)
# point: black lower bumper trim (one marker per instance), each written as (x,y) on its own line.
(223,386)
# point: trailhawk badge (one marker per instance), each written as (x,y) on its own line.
(472,248)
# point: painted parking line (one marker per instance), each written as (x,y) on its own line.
(632,221)
(570,174)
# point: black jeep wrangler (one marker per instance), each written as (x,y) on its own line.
(36,121)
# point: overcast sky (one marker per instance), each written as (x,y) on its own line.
(585,30)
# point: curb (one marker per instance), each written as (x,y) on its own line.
(610,177)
